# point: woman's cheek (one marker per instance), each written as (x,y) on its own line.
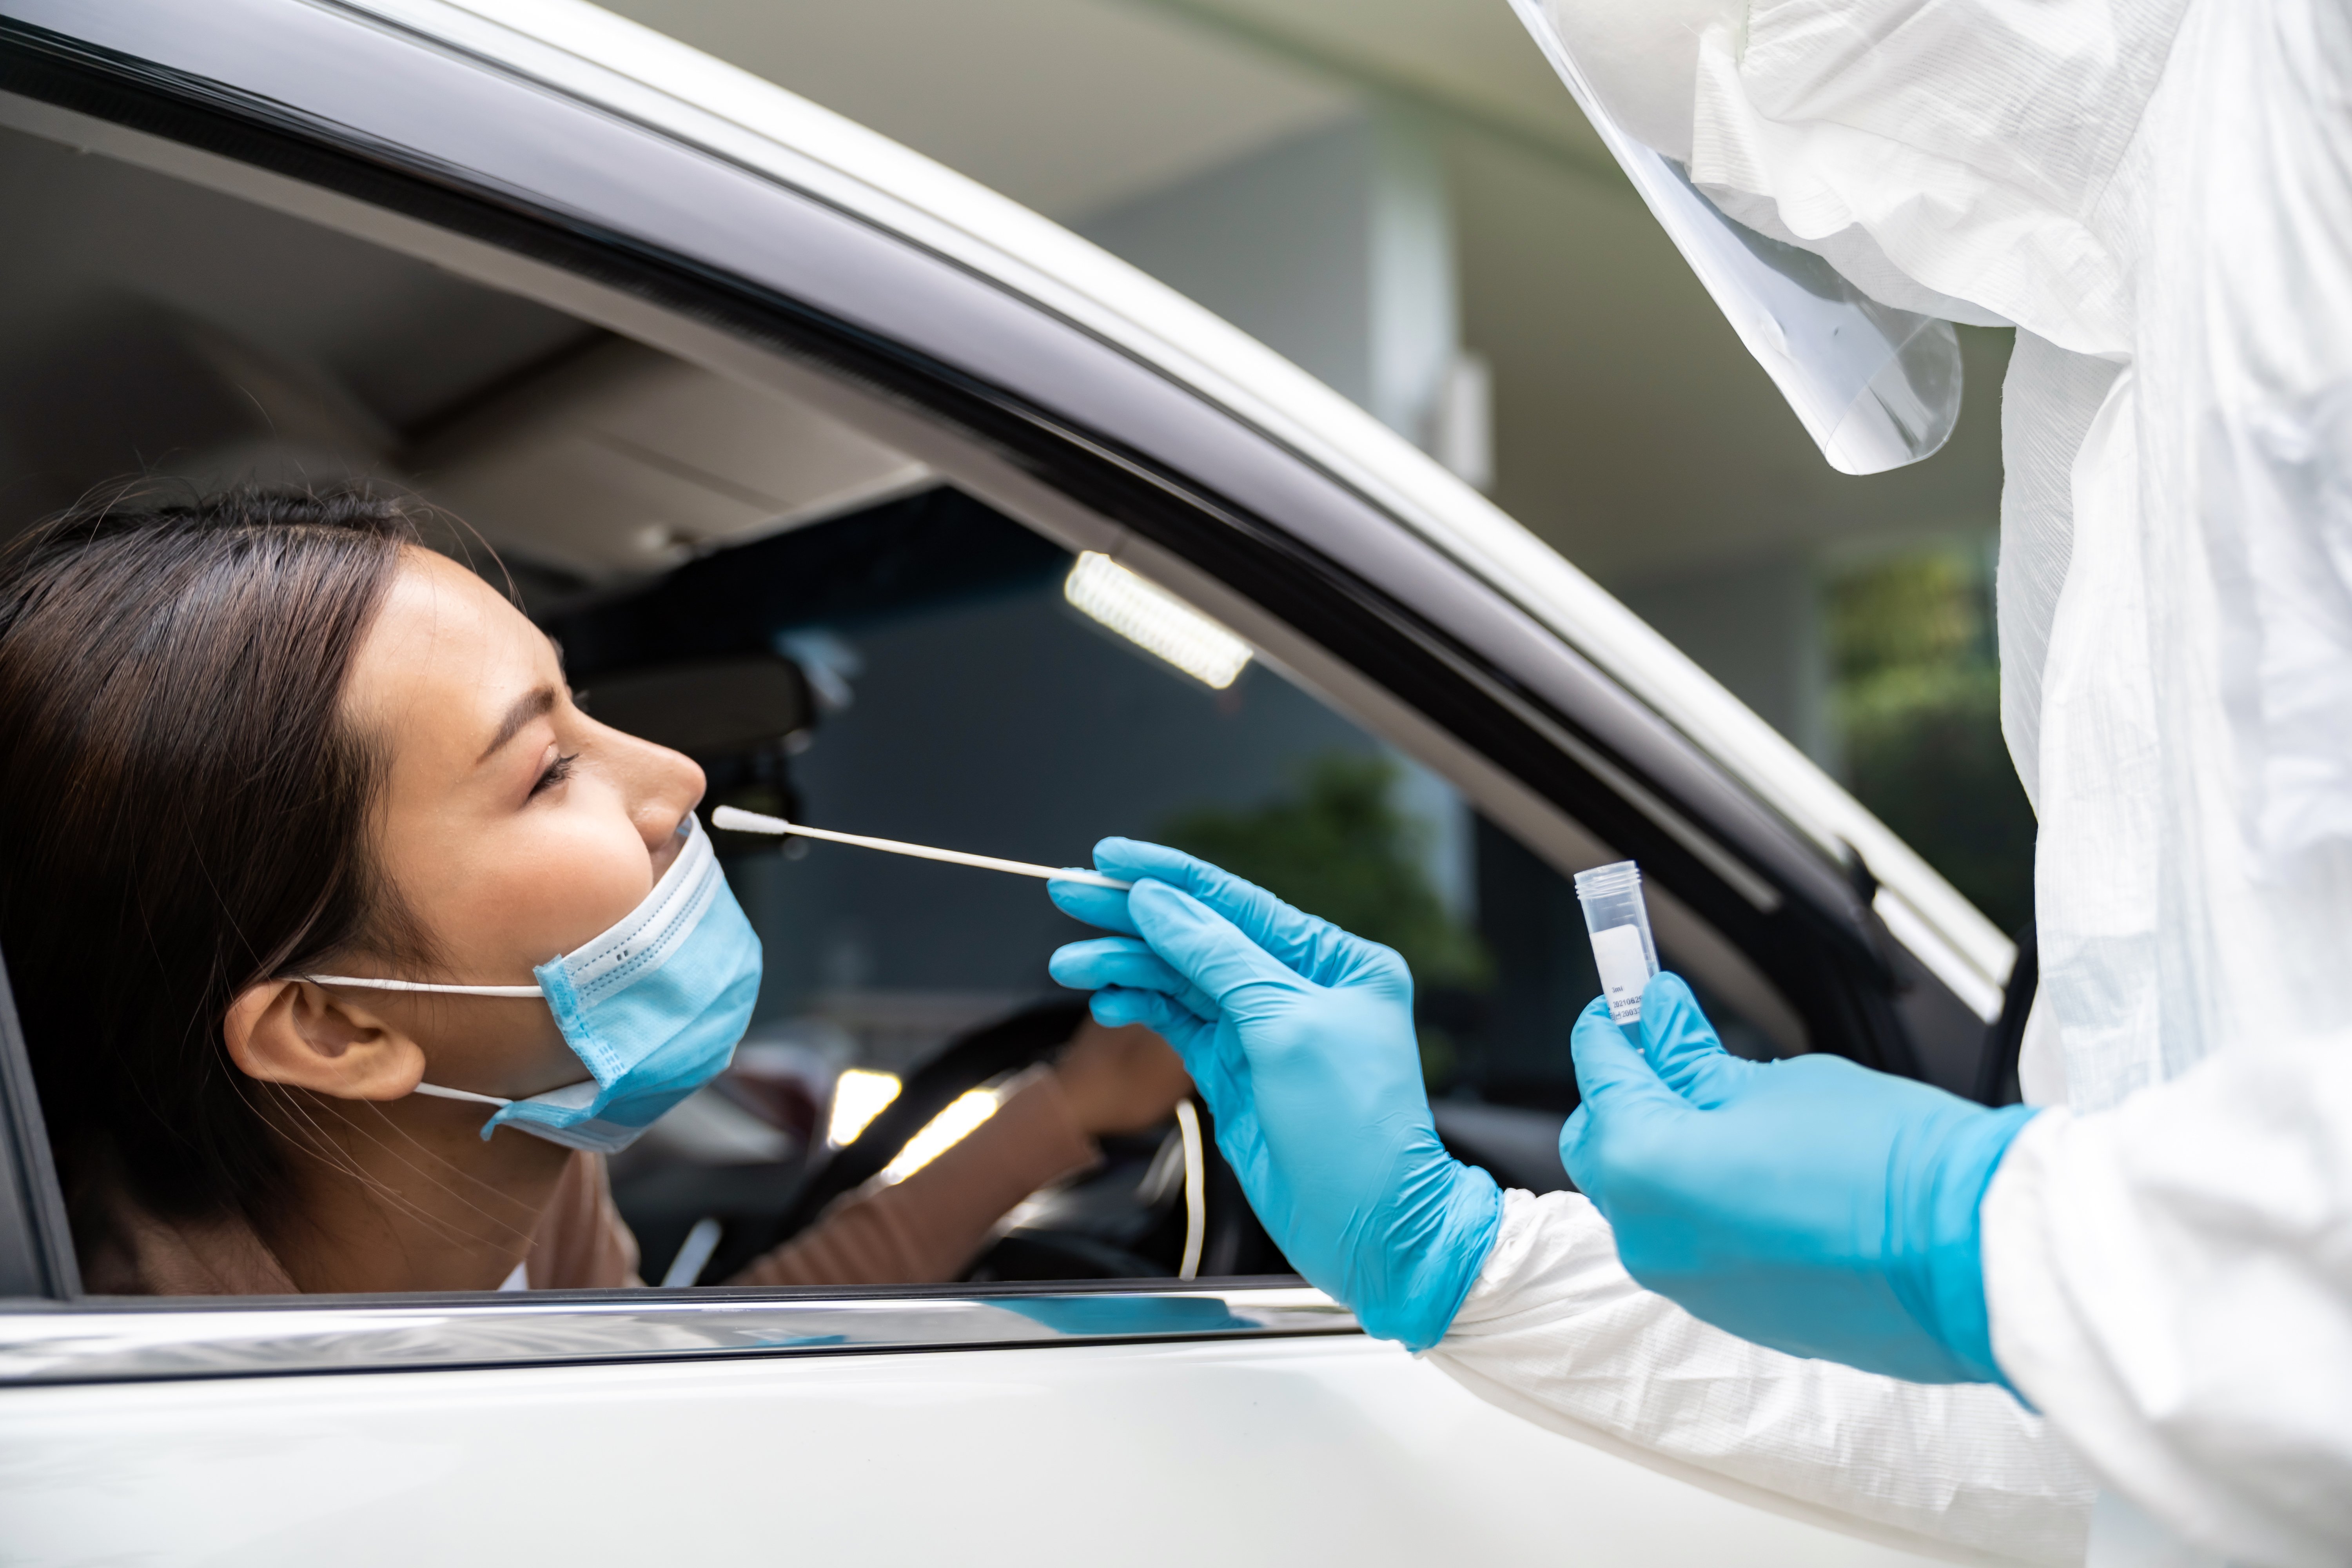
(568,885)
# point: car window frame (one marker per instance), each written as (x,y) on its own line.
(36,1253)
(1146,453)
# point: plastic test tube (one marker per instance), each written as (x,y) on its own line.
(1620,923)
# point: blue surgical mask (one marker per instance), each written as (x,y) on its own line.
(653,1008)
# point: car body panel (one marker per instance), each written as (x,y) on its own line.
(1342,1450)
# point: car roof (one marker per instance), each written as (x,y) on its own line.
(644,76)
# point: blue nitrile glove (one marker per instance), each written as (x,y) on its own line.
(1300,1039)
(1809,1205)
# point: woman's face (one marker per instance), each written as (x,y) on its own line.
(514,826)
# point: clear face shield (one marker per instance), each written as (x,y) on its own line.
(1876,388)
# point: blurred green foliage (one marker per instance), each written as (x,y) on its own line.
(1338,848)
(1917,703)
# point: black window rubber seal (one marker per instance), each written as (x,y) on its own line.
(36,1253)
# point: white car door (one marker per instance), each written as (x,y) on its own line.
(1266,1445)
(640,307)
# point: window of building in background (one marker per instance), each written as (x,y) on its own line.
(1915,699)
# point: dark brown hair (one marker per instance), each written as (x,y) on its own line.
(185,812)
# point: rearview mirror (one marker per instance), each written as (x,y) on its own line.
(709,709)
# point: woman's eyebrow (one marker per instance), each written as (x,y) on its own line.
(530,705)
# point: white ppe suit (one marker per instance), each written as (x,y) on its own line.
(2158,194)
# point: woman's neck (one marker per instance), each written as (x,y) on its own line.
(407,1195)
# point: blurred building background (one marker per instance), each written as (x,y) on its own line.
(1398,195)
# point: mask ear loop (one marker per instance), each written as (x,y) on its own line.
(435,1090)
(422,986)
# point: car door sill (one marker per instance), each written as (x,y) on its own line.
(99,1340)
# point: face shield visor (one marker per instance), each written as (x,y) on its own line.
(1875,386)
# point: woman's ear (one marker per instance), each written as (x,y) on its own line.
(293,1032)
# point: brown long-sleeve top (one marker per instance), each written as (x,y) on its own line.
(922,1230)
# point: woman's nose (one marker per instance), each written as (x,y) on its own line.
(663,785)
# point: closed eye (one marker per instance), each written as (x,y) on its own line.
(557,772)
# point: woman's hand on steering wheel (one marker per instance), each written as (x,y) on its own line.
(1120,1080)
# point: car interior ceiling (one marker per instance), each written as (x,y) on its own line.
(837,633)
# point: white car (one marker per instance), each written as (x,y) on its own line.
(806,449)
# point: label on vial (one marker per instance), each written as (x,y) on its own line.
(1624,970)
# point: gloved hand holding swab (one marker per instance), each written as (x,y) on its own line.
(734,819)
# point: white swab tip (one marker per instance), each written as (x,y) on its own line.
(741,821)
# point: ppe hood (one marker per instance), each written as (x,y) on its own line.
(1875,386)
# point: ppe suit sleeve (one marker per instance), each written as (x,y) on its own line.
(2171,1280)
(1556,1331)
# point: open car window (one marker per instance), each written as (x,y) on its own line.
(843,634)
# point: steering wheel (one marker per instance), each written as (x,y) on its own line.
(1008,1046)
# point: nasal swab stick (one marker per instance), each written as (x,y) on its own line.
(730,817)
